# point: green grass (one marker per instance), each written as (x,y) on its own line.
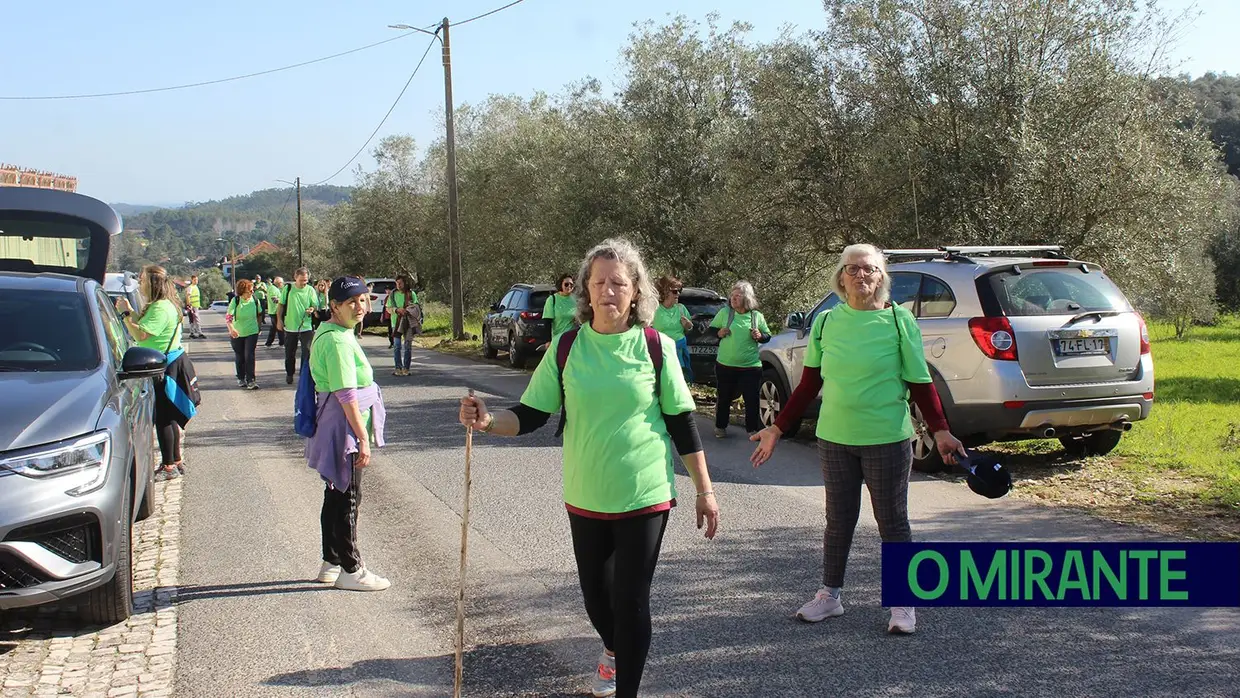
(1194,428)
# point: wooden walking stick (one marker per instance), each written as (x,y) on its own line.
(460,592)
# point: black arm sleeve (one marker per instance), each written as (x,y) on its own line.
(528,418)
(684,432)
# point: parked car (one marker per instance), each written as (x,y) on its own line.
(221,306)
(77,443)
(379,290)
(1022,343)
(515,324)
(124,285)
(703,304)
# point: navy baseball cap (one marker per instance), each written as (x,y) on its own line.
(346,287)
(986,475)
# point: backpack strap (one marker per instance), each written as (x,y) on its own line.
(654,346)
(562,348)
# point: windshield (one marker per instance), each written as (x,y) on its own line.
(46,331)
(34,245)
(702,305)
(1057,291)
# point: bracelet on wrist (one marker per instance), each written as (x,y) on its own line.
(707,493)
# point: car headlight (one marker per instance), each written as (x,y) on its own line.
(83,461)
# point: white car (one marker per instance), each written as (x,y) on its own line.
(124,285)
(379,290)
(221,306)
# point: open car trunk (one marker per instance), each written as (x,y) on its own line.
(47,230)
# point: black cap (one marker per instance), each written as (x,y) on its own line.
(986,475)
(345,288)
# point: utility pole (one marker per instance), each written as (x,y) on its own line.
(454,230)
(299,262)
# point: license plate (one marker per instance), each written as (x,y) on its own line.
(710,350)
(1083,346)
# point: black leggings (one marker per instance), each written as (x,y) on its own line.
(746,382)
(338,523)
(243,352)
(291,340)
(615,564)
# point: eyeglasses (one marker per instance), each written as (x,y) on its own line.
(860,270)
(675,292)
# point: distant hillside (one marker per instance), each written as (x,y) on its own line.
(127,210)
(187,238)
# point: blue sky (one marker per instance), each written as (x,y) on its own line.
(216,141)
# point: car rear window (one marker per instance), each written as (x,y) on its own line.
(46,331)
(383,287)
(44,245)
(1058,291)
(538,299)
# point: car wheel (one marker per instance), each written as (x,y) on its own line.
(1098,443)
(772,397)
(112,603)
(516,359)
(488,351)
(926,458)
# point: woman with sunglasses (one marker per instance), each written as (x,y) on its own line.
(865,354)
(561,307)
(672,318)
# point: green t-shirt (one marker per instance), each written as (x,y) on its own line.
(739,349)
(162,321)
(562,310)
(667,320)
(338,362)
(617,454)
(322,300)
(865,364)
(273,298)
(296,302)
(260,292)
(396,299)
(244,315)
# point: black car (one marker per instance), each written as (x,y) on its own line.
(703,304)
(515,324)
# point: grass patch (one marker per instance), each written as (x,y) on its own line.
(437,332)
(1179,469)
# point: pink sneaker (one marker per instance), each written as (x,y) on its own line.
(822,607)
(903,621)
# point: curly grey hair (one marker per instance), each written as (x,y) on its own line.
(852,252)
(646,299)
(749,298)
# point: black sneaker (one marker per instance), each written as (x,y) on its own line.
(167,472)
(252,385)
(240,383)
(288,379)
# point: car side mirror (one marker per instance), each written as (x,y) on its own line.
(496,307)
(795,321)
(140,362)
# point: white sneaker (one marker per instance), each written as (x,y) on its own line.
(822,607)
(328,573)
(361,580)
(605,677)
(903,621)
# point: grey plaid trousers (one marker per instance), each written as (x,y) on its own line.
(885,471)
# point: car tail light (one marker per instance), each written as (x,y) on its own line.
(1145,336)
(1148,396)
(373,297)
(531,315)
(994,336)
(1014,404)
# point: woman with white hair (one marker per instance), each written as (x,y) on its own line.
(627,412)
(865,355)
(738,368)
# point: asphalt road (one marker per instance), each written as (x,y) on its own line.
(251,624)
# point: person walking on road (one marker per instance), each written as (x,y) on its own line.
(738,368)
(866,356)
(295,320)
(322,312)
(158,327)
(274,291)
(260,295)
(406,321)
(242,319)
(560,307)
(673,319)
(193,302)
(627,412)
(350,414)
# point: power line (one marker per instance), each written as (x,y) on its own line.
(208,82)
(429,45)
(487,14)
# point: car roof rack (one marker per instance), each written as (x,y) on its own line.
(966,253)
(915,253)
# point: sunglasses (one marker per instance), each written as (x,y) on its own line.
(675,292)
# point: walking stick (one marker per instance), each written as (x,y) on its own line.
(460,592)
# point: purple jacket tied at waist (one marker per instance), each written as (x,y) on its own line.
(329,450)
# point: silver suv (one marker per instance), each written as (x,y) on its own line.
(1022,342)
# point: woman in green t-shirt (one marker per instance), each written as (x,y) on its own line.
(406,321)
(738,368)
(561,307)
(672,319)
(158,327)
(625,422)
(866,357)
(243,321)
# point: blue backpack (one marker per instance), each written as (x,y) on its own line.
(305,406)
